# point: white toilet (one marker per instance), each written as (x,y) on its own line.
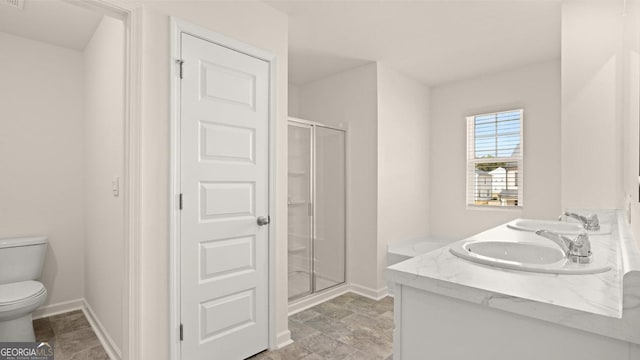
(21,262)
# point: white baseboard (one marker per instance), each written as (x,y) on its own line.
(318,298)
(107,342)
(369,292)
(315,299)
(283,339)
(57,308)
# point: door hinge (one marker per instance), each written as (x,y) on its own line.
(180,63)
(181,333)
(180,201)
(310,209)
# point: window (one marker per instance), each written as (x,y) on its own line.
(494,159)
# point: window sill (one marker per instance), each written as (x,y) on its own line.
(494,208)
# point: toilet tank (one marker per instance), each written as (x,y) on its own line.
(22,258)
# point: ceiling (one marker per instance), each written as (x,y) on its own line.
(52,21)
(433,41)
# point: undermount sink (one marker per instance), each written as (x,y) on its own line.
(523,256)
(555,226)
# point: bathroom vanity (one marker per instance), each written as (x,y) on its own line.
(447,307)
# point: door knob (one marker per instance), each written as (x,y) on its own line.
(262,221)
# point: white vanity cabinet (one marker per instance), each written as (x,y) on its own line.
(450,308)
(434,326)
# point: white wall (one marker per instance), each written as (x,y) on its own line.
(387,117)
(350,98)
(104,213)
(41,156)
(591,104)
(251,22)
(403,160)
(631,114)
(294,100)
(536,89)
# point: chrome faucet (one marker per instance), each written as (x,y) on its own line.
(577,250)
(589,222)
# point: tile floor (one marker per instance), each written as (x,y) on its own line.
(349,327)
(71,335)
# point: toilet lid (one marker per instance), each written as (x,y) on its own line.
(14,292)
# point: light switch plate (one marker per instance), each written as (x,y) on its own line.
(115,187)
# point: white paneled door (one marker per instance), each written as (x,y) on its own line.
(224,171)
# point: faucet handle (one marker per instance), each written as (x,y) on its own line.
(592,224)
(577,250)
(580,249)
(589,222)
(581,245)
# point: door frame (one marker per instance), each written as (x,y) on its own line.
(131,15)
(178,27)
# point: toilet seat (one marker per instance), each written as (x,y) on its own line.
(19,292)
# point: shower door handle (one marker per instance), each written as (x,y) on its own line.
(262,221)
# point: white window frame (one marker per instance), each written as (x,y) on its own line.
(472,161)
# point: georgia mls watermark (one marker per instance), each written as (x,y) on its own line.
(26,351)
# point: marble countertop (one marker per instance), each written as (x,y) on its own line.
(417,246)
(594,302)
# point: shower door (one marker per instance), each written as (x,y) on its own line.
(317,208)
(329,216)
(300,207)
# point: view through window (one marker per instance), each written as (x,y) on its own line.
(494,159)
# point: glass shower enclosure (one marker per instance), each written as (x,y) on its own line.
(316,208)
